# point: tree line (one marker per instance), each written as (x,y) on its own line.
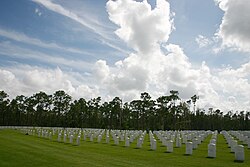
(167,112)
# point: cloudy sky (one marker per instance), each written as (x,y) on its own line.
(92,48)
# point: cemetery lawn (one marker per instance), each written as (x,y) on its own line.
(17,149)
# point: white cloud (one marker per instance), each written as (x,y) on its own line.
(86,21)
(101,70)
(235,25)
(12,50)
(203,41)
(140,27)
(27,80)
(38,12)
(20,37)
(150,69)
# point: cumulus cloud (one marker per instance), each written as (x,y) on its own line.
(101,70)
(27,80)
(235,25)
(149,68)
(140,26)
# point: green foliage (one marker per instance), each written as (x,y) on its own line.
(167,112)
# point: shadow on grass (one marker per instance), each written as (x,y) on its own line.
(151,150)
(187,154)
(238,161)
(210,157)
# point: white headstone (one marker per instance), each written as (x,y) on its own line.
(195,143)
(78,140)
(239,153)
(50,136)
(178,142)
(184,140)
(233,145)
(139,143)
(59,137)
(71,139)
(84,136)
(248,142)
(213,141)
(117,140)
(170,146)
(107,139)
(65,138)
(212,150)
(153,145)
(189,148)
(91,137)
(99,138)
(199,140)
(127,142)
(39,133)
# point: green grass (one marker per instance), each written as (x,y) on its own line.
(17,149)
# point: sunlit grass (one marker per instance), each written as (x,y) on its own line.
(17,149)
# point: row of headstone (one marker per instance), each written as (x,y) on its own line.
(242,136)
(191,138)
(212,145)
(153,143)
(238,150)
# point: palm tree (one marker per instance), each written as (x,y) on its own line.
(194,98)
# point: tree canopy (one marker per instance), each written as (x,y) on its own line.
(168,112)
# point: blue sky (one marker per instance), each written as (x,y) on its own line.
(122,48)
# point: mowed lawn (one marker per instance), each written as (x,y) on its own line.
(17,149)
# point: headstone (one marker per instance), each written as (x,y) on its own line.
(178,142)
(170,146)
(131,138)
(139,143)
(59,137)
(213,141)
(78,140)
(39,133)
(164,141)
(239,153)
(184,140)
(245,138)
(50,136)
(212,150)
(233,145)
(248,142)
(127,142)
(99,138)
(107,139)
(195,143)
(189,148)
(71,139)
(116,140)
(65,138)
(91,137)
(84,136)
(199,140)
(153,145)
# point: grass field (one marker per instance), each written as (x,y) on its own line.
(17,149)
